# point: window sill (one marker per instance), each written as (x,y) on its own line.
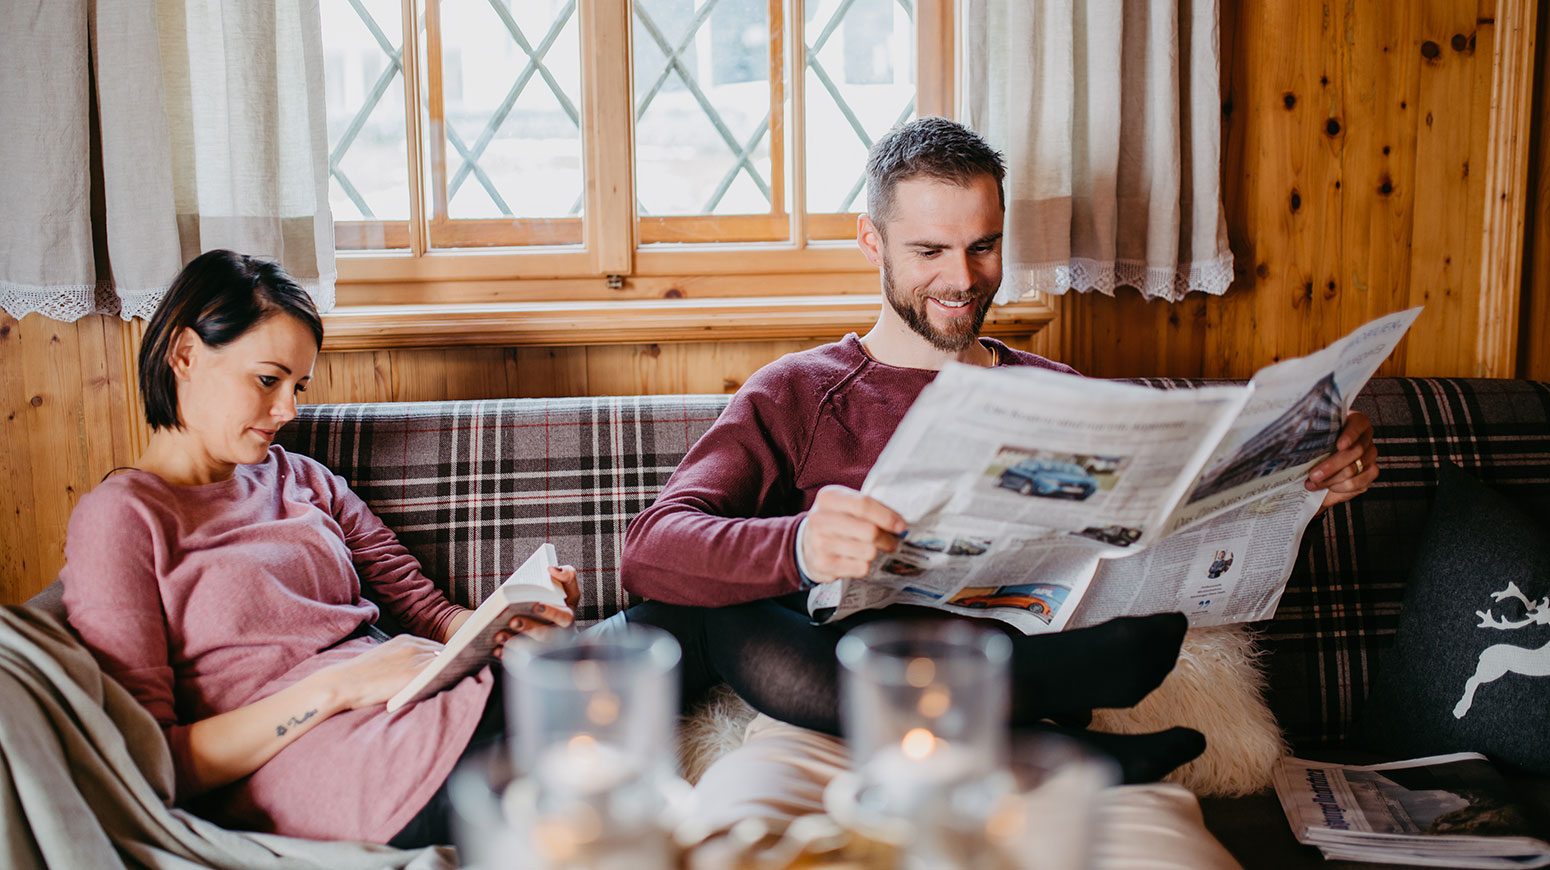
(515,324)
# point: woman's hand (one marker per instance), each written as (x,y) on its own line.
(376,675)
(546,618)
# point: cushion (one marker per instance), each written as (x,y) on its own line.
(1470,666)
(1218,689)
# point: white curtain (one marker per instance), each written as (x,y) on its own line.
(1108,112)
(140,133)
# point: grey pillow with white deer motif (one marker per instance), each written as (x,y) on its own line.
(1470,666)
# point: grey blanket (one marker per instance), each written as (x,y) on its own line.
(86,776)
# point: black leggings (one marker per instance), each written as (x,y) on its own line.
(783,665)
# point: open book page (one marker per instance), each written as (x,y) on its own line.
(473,645)
(1021,473)
(1290,424)
(1446,810)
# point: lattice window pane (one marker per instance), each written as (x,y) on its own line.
(704,80)
(860,83)
(367,144)
(505,164)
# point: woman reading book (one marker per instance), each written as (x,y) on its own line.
(221,580)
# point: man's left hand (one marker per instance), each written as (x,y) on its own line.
(1354,466)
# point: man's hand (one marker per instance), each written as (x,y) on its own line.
(844,532)
(1354,466)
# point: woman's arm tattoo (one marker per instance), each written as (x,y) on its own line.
(279,730)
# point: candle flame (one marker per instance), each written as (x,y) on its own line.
(920,672)
(935,702)
(918,743)
(587,675)
(582,743)
(603,708)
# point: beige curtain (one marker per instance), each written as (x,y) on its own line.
(1108,112)
(140,133)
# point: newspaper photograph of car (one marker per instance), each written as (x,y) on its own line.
(1040,599)
(928,544)
(1050,474)
(1119,536)
(903,566)
(968,547)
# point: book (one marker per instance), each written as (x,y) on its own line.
(1441,811)
(473,645)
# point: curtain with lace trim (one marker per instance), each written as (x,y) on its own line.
(141,133)
(1108,112)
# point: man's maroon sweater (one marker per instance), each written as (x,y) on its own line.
(724,529)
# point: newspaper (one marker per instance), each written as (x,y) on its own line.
(1051,502)
(1442,811)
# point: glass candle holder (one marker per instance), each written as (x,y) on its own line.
(925,710)
(590,722)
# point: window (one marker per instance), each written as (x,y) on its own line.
(613,151)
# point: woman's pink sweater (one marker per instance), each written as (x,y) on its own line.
(201,599)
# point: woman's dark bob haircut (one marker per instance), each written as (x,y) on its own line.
(220,295)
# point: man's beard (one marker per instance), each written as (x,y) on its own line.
(913,311)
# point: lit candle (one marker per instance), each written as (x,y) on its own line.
(920,769)
(583,766)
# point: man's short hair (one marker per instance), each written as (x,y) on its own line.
(220,295)
(933,148)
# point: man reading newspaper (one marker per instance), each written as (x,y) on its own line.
(766,503)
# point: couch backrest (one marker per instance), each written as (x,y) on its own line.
(473,487)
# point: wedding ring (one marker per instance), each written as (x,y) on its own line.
(1358,465)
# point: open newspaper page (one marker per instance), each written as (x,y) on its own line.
(1290,424)
(1445,810)
(1230,568)
(1015,482)
(1229,548)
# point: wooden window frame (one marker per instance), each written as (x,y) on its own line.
(626,282)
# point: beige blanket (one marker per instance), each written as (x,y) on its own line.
(86,776)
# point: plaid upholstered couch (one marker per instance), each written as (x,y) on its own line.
(473,487)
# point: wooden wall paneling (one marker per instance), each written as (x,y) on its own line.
(419,374)
(18,529)
(1323,117)
(475,373)
(50,366)
(540,372)
(67,424)
(1534,319)
(645,369)
(1506,182)
(106,405)
(1377,176)
(1441,242)
(351,376)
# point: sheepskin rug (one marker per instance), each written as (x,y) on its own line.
(715,728)
(1217,687)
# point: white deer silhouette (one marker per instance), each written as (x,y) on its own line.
(1504,658)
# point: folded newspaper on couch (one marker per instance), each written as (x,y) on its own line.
(1443,811)
(1051,502)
